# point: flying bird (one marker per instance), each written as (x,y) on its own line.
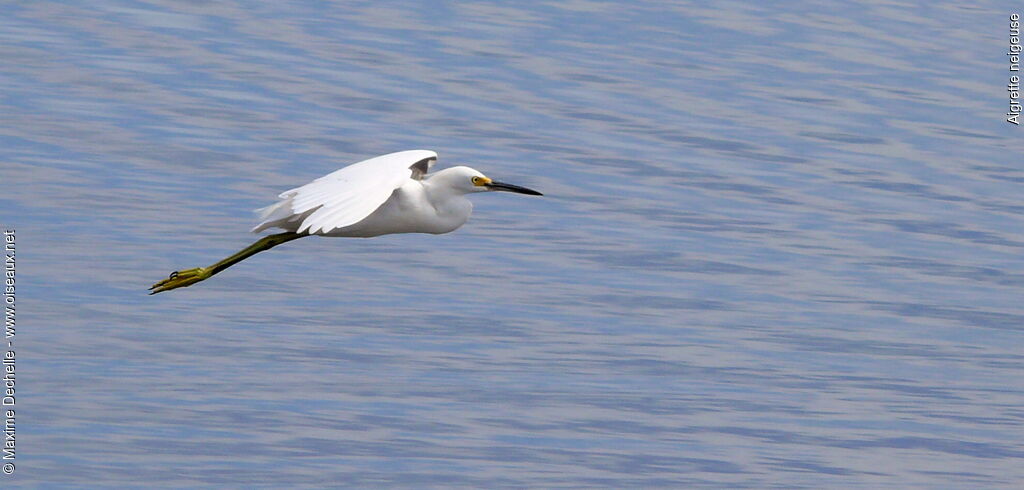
(392,193)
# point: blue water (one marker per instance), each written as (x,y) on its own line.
(780,245)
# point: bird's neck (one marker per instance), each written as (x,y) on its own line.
(441,186)
(446,199)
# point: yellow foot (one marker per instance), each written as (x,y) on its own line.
(180,279)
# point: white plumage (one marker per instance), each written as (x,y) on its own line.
(391,193)
(387,194)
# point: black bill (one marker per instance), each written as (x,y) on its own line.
(501,186)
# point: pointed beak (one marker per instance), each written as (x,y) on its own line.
(501,186)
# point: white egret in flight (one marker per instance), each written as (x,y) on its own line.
(387,194)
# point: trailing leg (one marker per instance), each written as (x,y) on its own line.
(188,277)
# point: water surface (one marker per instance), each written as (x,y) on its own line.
(780,245)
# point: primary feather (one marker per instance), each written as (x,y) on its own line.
(346,196)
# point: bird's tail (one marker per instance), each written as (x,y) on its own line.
(271,215)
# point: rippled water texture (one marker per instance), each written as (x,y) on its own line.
(780,245)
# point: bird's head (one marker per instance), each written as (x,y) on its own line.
(467,180)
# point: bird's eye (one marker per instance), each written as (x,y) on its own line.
(476,180)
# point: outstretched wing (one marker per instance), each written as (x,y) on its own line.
(347,196)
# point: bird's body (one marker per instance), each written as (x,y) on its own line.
(388,194)
(396,197)
(415,207)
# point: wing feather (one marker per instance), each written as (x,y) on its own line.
(346,196)
(420,168)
